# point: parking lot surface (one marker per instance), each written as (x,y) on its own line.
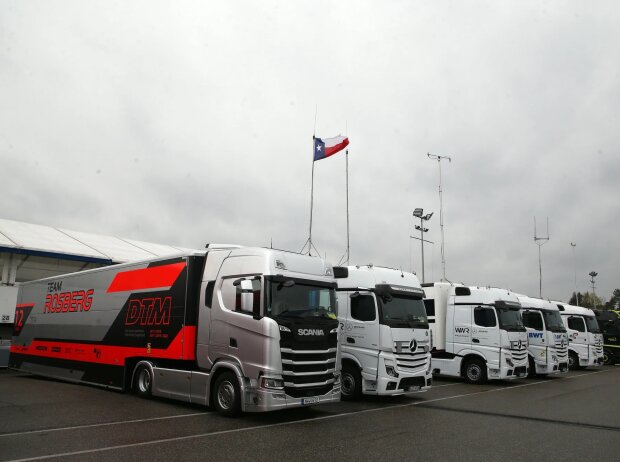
(569,417)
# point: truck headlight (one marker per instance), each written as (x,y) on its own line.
(283,328)
(268,382)
(391,371)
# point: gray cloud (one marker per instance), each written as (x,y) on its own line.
(185,123)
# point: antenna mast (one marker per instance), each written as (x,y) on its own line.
(540,241)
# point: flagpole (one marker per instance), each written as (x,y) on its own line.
(347,174)
(311,201)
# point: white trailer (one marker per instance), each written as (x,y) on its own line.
(585,339)
(477,332)
(384,332)
(546,335)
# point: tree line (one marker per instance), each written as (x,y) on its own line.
(591,300)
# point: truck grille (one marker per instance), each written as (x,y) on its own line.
(561,349)
(519,355)
(411,361)
(308,372)
(598,350)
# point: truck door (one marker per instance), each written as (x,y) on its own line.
(485,333)
(577,334)
(533,321)
(361,335)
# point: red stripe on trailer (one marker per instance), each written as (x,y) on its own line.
(181,348)
(24,305)
(146,278)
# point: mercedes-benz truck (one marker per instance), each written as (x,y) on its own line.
(239,329)
(478,333)
(585,340)
(609,322)
(384,332)
(547,338)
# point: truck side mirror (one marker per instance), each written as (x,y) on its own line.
(247,295)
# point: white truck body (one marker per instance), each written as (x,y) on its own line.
(546,335)
(384,332)
(585,339)
(477,332)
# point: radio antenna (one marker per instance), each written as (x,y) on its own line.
(540,241)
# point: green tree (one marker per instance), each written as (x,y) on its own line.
(614,301)
(589,300)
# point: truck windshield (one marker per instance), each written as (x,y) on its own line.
(510,319)
(592,324)
(300,301)
(398,311)
(553,321)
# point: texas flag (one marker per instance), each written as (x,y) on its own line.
(329,146)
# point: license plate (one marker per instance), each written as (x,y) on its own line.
(313,400)
(414,388)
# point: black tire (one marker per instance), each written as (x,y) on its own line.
(573,361)
(143,382)
(608,358)
(226,395)
(531,373)
(475,371)
(351,382)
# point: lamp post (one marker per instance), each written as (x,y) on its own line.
(592,275)
(419,213)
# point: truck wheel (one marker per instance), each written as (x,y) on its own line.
(351,386)
(475,371)
(531,373)
(573,361)
(608,358)
(143,382)
(226,395)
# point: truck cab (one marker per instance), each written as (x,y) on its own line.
(609,322)
(585,339)
(384,333)
(478,332)
(546,335)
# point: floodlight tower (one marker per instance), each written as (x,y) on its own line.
(419,213)
(540,241)
(443,253)
(592,275)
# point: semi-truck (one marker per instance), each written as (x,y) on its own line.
(384,332)
(609,322)
(235,328)
(585,340)
(546,335)
(478,333)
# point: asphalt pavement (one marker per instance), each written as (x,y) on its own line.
(569,417)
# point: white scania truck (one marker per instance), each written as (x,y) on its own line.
(241,329)
(478,332)
(384,333)
(546,335)
(585,339)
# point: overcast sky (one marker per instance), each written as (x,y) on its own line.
(184,123)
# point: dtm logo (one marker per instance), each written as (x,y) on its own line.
(535,335)
(461,330)
(149,312)
(310,332)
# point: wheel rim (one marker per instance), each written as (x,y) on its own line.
(571,361)
(226,395)
(474,372)
(606,358)
(144,381)
(348,384)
